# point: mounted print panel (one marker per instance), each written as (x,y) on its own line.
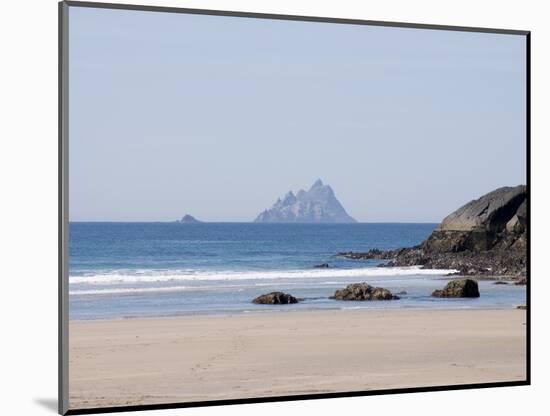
(261,208)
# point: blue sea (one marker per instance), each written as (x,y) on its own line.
(123,270)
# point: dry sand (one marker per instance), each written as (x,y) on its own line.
(180,359)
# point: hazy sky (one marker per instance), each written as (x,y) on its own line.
(218,116)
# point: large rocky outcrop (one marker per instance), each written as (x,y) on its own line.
(317,205)
(479,225)
(491,212)
(363,291)
(487,236)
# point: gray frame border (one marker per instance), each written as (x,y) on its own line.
(63,201)
(63,220)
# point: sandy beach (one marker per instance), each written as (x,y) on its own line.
(179,359)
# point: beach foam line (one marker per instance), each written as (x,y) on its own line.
(152,276)
(116,291)
(127,290)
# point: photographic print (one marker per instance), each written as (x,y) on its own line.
(262,208)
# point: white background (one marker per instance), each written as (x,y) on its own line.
(28,216)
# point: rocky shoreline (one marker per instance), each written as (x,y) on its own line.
(489,264)
(487,237)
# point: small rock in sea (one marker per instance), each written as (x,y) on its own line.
(500,282)
(402,292)
(275,298)
(188,219)
(521,282)
(363,291)
(322,266)
(459,288)
(523,307)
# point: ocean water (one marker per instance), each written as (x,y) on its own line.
(119,270)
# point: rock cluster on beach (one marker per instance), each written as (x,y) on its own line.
(485,237)
(355,291)
(363,291)
(275,298)
(459,288)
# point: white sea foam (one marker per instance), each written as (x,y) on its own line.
(152,276)
(116,291)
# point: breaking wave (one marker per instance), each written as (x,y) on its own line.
(158,276)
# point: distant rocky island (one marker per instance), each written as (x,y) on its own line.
(485,237)
(188,219)
(317,205)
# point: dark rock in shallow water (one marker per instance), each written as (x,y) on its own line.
(322,266)
(459,288)
(275,298)
(363,291)
(500,282)
(371,254)
(523,307)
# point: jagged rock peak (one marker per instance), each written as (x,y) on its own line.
(317,184)
(317,205)
(289,198)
